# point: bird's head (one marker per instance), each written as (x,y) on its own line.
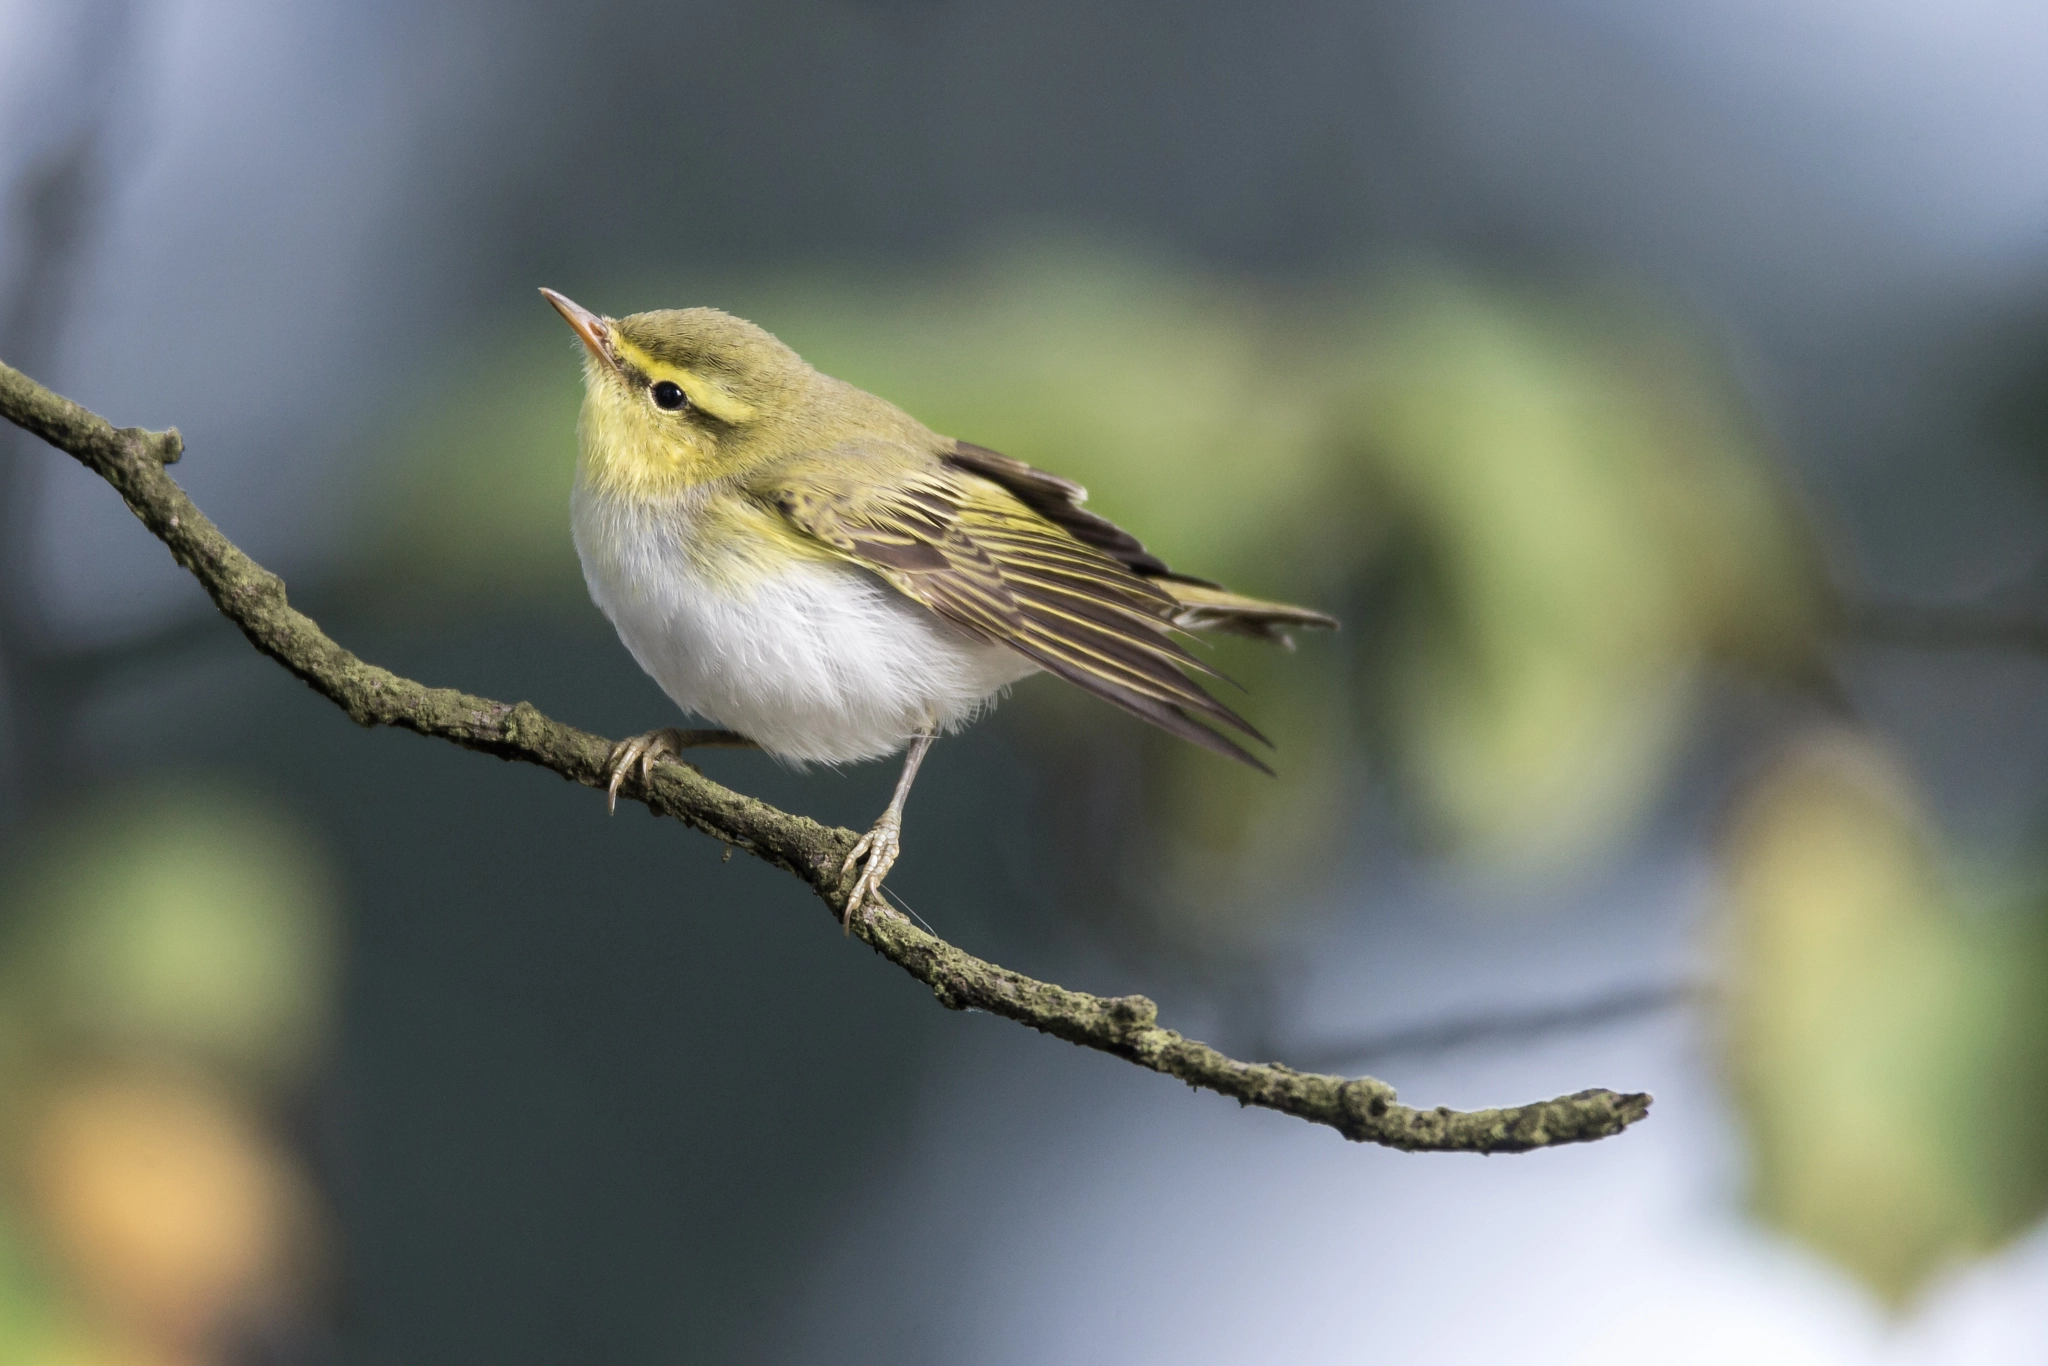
(681,396)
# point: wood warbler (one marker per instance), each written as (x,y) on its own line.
(811,568)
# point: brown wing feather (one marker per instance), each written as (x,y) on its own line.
(1059,502)
(1203,605)
(987,561)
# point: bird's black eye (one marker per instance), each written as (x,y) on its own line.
(669,396)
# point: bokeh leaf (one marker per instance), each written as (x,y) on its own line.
(188,920)
(1583,525)
(1886,1025)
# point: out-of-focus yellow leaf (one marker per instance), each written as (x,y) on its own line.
(171,1211)
(1885,1026)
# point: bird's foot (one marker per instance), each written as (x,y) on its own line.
(876,853)
(643,751)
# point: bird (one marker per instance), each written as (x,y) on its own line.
(827,579)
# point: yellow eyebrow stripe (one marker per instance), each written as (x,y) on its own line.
(704,392)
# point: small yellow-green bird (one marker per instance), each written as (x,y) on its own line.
(818,573)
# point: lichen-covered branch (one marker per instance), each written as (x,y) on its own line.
(253,598)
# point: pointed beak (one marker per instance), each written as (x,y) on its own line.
(593,328)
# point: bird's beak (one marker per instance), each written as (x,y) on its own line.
(593,328)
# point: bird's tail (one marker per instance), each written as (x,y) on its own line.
(1205,607)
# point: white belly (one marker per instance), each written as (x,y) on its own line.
(824,663)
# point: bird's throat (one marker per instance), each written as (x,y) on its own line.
(625,455)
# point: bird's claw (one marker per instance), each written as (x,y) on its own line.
(642,750)
(876,853)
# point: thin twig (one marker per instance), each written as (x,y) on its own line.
(1504,1027)
(1923,626)
(253,598)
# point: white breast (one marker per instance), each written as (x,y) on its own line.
(824,663)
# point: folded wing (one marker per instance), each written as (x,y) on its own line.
(1071,593)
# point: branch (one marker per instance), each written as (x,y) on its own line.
(253,598)
(1506,1027)
(1926,626)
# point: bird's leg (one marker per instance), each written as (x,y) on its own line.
(661,744)
(879,847)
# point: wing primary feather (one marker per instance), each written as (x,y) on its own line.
(1164,715)
(1115,617)
(1096,616)
(1161,681)
(1096,602)
(1159,653)
(1059,501)
(1007,554)
(1153,634)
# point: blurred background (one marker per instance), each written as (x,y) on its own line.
(1660,394)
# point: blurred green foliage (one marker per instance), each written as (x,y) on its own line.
(1887,1024)
(32,1327)
(1588,525)
(187,920)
